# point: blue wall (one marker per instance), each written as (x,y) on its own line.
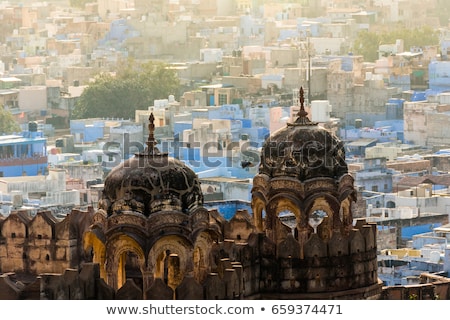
(227,209)
(179,127)
(409,232)
(19,169)
(439,75)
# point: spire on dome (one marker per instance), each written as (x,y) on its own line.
(302,119)
(151,141)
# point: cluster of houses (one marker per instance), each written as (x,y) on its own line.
(241,65)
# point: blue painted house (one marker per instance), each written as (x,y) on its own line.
(24,153)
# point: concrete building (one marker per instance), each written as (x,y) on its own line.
(428,254)
(425,121)
(392,150)
(226,188)
(373,175)
(38,191)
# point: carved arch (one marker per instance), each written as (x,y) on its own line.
(163,248)
(276,205)
(258,207)
(93,245)
(118,247)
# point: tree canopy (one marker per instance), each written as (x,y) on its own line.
(7,122)
(135,86)
(78,3)
(367,43)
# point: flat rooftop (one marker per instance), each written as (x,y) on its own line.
(226,179)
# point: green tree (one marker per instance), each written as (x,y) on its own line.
(154,77)
(417,37)
(109,96)
(7,122)
(134,87)
(367,43)
(78,3)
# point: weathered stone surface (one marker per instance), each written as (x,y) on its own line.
(214,287)
(8,289)
(159,291)
(129,291)
(189,289)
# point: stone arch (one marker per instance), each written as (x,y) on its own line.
(277,204)
(201,255)
(160,255)
(324,229)
(94,246)
(258,208)
(346,215)
(118,247)
(329,204)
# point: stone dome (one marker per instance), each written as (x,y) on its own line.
(151,182)
(303,150)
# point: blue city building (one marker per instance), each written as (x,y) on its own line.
(24,153)
(219,141)
(87,131)
(439,75)
(226,111)
(445,48)
(394,109)
(119,32)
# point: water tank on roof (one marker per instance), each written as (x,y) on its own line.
(59,143)
(17,199)
(32,126)
(435,256)
(358,123)
(418,96)
(444,98)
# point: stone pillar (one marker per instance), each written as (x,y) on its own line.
(111,280)
(111,270)
(189,265)
(302,238)
(237,267)
(147,281)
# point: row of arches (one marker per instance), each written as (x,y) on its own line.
(170,259)
(288,210)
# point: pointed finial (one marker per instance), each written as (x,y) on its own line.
(151,151)
(301,98)
(302,119)
(151,141)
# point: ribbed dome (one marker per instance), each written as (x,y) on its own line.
(304,150)
(151,182)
